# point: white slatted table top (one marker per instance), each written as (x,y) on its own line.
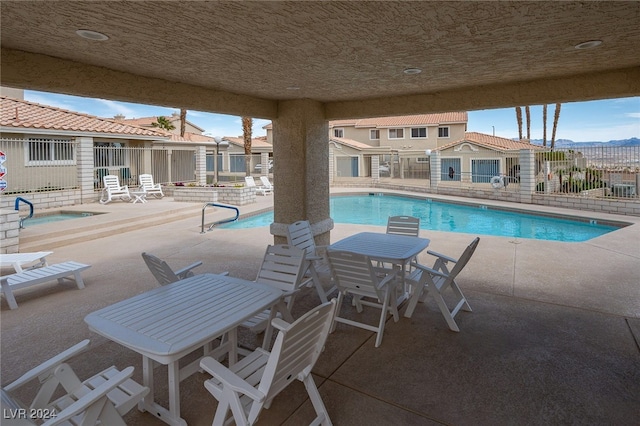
(168,322)
(397,249)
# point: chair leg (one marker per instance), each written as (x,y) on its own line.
(316,400)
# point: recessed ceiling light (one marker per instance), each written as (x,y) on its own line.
(92,35)
(588,44)
(412,71)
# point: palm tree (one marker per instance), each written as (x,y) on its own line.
(544,125)
(519,118)
(556,117)
(183,121)
(247,123)
(528,114)
(163,123)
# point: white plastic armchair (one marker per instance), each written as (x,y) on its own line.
(300,234)
(102,399)
(370,286)
(282,268)
(150,188)
(437,280)
(163,272)
(249,386)
(112,189)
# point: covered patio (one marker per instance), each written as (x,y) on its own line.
(544,344)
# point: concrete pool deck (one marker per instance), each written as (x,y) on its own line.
(554,336)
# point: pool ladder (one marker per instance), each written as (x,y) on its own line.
(220,221)
(17,207)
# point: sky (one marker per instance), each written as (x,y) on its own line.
(592,121)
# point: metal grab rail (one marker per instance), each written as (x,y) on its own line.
(17,207)
(220,221)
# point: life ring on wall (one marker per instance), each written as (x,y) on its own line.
(497,182)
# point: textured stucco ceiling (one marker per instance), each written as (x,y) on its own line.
(333,52)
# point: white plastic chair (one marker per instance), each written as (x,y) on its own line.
(403,225)
(283,268)
(163,272)
(112,189)
(148,187)
(266,183)
(370,286)
(251,183)
(437,280)
(102,399)
(300,234)
(249,386)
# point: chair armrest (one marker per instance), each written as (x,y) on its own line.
(230,379)
(428,270)
(48,365)
(90,398)
(391,275)
(279,324)
(442,256)
(182,273)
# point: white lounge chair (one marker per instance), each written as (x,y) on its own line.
(19,260)
(251,183)
(370,286)
(283,268)
(112,189)
(300,234)
(436,280)
(103,399)
(266,183)
(59,271)
(148,187)
(251,384)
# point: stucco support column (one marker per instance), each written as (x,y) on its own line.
(84,167)
(527,175)
(436,169)
(201,165)
(375,168)
(264,160)
(301,147)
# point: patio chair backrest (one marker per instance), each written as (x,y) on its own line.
(299,234)
(282,267)
(160,269)
(403,225)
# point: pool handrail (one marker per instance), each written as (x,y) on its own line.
(220,221)
(17,207)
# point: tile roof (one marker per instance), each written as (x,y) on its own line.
(352,143)
(492,142)
(20,114)
(259,142)
(146,121)
(401,120)
(190,137)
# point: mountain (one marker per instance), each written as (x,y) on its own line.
(567,143)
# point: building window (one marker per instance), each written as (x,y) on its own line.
(374,134)
(338,133)
(109,154)
(396,133)
(50,152)
(443,132)
(422,160)
(418,132)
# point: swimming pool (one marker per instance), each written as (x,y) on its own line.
(55,217)
(449,217)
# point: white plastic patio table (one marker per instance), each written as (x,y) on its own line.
(171,321)
(390,248)
(139,196)
(17,260)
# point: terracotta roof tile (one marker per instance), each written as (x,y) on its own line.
(492,142)
(21,114)
(401,120)
(352,143)
(259,142)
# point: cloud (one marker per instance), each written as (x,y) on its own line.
(632,114)
(115,108)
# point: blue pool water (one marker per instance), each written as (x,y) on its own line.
(448,217)
(39,220)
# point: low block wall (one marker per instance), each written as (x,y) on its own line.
(45,200)
(229,195)
(9,231)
